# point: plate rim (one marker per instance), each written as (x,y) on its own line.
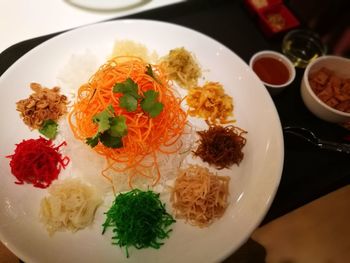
(106,8)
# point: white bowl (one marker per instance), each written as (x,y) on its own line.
(341,67)
(274,89)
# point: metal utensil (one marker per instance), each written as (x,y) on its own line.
(310,137)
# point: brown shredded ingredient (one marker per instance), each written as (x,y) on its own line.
(43,104)
(221,146)
(199,196)
(211,103)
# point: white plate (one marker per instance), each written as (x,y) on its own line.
(252,187)
(108,4)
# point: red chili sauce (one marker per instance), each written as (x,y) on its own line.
(271,70)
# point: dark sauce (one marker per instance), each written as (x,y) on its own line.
(271,70)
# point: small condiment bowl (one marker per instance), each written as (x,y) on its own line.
(341,67)
(279,62)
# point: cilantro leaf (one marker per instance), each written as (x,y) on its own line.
(156,109)
(111,129)
(49,129)
(128,102)
(103,118)
(118,126)
(92,141)
(127,87)
(150,104)
(150,97)
(110,141)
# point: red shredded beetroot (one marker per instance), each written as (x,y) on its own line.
(37,161)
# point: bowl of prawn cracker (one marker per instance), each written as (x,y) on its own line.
(325,89)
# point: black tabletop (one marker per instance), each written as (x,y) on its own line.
(308,172)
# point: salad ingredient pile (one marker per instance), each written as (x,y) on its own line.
(138,218)
(182,67)
(200,196)
(43,105)
(71,205)
(211,103)
(220,146)
(154,119)
(37,162)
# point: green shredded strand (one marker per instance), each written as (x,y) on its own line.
(138,218)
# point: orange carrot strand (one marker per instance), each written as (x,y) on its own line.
(146,136)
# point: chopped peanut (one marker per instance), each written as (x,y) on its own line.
(43,104)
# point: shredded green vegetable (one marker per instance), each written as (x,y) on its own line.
(138,219)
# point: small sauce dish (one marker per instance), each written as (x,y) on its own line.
(274,69)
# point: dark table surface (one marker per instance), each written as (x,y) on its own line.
(308,172)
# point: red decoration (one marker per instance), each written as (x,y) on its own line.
(37,161)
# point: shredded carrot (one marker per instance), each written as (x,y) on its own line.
(146,136)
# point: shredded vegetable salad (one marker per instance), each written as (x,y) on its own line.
(130,113)
(132,89)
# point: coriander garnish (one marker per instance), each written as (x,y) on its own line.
(110,130)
